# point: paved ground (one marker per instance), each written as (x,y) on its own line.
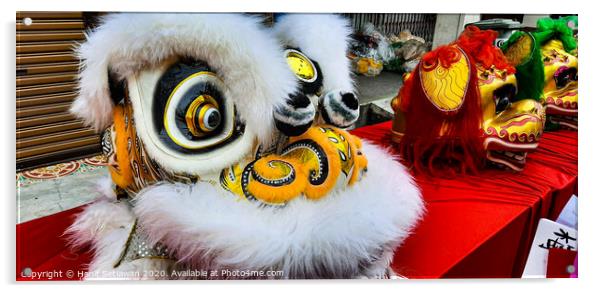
(382,87)
(52,189)
(48,190)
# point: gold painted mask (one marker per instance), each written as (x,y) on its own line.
(511,128)
(459,106)
(560,89)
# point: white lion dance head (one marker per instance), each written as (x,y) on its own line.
(204,179)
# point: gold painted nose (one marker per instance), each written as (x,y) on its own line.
(527,106)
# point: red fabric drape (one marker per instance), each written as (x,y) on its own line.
(475,226)
(41,247)
(482,225)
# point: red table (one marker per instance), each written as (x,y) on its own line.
(475,226)
(483,226)
(42,247)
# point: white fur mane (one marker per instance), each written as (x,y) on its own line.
(350,233)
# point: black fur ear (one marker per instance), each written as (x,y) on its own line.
(117,89)
(340,109)
(294,118)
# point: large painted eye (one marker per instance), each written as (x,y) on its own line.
(191,112)
(203,116)
(307,71)
(564,75)
(503,97)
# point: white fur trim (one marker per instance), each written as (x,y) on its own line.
(98,219)
(104,186)
(324,38)
(295,116)
(209,228)
(336,117)
(244,54)
(105,225)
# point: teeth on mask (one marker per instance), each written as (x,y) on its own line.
(509,154)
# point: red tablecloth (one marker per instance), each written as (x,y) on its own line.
(483,225)
(475,226)
(41,247)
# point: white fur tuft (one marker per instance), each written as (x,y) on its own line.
(105,225)
(104,186)
(351,233)
(338,113)
(100,220)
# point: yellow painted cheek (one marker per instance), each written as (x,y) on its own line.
(487,99)
(121,173)
(512,121)
(487,102)
(549,71)
(230,180)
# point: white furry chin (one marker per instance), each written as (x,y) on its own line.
(351,233)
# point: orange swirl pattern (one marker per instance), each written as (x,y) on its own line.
(310,165)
